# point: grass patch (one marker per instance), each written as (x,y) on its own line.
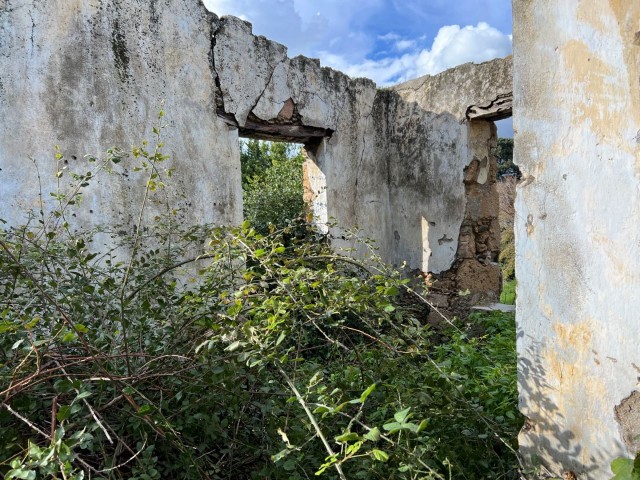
(508,295)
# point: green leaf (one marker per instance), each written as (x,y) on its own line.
(64,412)
(68,337)
(340,407)
(422,426)
(367,392)
(347,437)
(8,327)
(81,328)
(392,427)
(379,455)
(290,465)
(22,474)
(82,395)
(623,469)
(373,434)
(63,385)
(402,415)
(280,455)
(322,409)
(391,291)
(255,362)
(235,309)
(34,321)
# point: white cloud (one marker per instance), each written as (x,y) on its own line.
(303,25)
(402,45)
(337,32)
(453,45)
(389,37)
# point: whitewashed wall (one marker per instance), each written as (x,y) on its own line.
(577,123)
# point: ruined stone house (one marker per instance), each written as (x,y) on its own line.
(411,166)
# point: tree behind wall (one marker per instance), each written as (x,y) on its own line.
(272,183)
(504,154)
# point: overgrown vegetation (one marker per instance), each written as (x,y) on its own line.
(508,175)
(272,184)
(257,358)
(504,154)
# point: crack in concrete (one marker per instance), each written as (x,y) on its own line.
(266,86)
(365,119)
(33,28)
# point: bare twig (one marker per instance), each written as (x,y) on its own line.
(313,421)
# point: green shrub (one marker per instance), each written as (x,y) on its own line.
(272,184)
(504,153)
(507,255)
(258,358)
(507,258)
(508,294)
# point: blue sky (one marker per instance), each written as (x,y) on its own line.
(389,41)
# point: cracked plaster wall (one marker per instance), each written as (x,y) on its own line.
(473,95)
(89,75)
(577,123)
(92,75)
(392,167)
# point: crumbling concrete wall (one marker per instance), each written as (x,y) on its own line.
(90,76)
(474,95)
(577,123)
(390,167)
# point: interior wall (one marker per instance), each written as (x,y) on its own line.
(89,77)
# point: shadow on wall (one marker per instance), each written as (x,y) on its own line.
(396,174)
(543,435)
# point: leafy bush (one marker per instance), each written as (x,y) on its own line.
(508,294)
(257,358)
(507,258)
(272,183)
(504,154)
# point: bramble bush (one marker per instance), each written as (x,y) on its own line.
(256,358)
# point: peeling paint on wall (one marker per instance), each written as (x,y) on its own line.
(394,163)
(628,417)
(576,114)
